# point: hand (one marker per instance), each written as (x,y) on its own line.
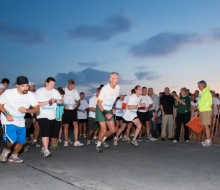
(74,106)
(146,109)
(108,116)
(66,107)
(155,113)
(142,105)
(9,118)
(22,110)
(53,100)
(33,120)
(163,114)
(177,98)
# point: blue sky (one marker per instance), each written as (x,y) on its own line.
(154,43)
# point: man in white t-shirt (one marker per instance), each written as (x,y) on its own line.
(143,113)
(14,103)
(71,102)
(215,106)
(119,110)
(93,125)
(130,115)
(82,115)
(104,110)
(2,89)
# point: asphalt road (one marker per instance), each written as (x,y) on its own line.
(157,165)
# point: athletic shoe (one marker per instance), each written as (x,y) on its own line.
(26,147)
(95,140)
(15,158)
(37,145)
(124,138)
(131,134)
(206,143)
(99,149)
(128,140)
(85,136)
(65,143)
(152,138)
(148,139)
(42,150)
(54,146)
(47,154)
(105,144)
(134,142)
(59,141)
(187,141)
(70,141)
(175,141)
(80,136)
(77,143)
(4,155)
(115,141)
(88,142)
(139,139)
(120,138)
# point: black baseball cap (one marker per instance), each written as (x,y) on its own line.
(21,80)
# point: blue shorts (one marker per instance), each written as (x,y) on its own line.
(14,134)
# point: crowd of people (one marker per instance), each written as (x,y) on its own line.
(43,117)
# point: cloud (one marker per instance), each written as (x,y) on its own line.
(163,44)
(216,34)
(88,77)
(111,27)
(146,75)
(21,34)
(90,64)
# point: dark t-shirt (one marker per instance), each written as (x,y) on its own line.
(167,101)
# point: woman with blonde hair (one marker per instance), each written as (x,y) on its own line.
(183,114)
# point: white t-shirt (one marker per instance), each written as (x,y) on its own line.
(129,115)
(70,98)
(47,111)
(215,102)
(12,101)
(119,106)
(147,100)
(92,104)
(108,96)
(82,106)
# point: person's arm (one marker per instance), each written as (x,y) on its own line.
(92,109)
(157,104)
(161,108)
(34,109)
(6,113)
(150,106)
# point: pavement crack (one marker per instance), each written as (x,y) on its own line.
(52,176)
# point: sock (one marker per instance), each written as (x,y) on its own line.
(94,137)
(98,144)
(35,140)
(104,138)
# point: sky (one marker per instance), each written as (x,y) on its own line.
(152,43)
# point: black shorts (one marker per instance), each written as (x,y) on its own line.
(92,124)
(127,122)
(143,116)
(46,127)
(119,118)
(69,116)
(82,120)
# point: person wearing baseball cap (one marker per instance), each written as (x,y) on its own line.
(14,104)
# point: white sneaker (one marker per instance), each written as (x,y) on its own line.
(47,154)
(187,141)
(88,142)
(42,150)
(175,141)
(207,143)
(65,143)
(77,143)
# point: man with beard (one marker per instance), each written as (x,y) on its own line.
(14,104)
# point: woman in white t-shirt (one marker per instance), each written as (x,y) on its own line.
(130,115)
(48,98)
(194,105)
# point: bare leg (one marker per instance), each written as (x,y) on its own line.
(148,128)
(138,127)
(75,125)
(45,142)
(17,148)
(102,131)
(90,134)
(116,125)
(121,129)
(84,128)
(66,131)
(60,132)
(128,130)
(111,127)
(80,128)
(207,131)
(36,130)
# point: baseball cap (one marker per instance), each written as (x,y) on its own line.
(31,84)
(2,86)
(123,94)
(21,80)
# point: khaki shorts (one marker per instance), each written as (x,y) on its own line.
(205,117)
